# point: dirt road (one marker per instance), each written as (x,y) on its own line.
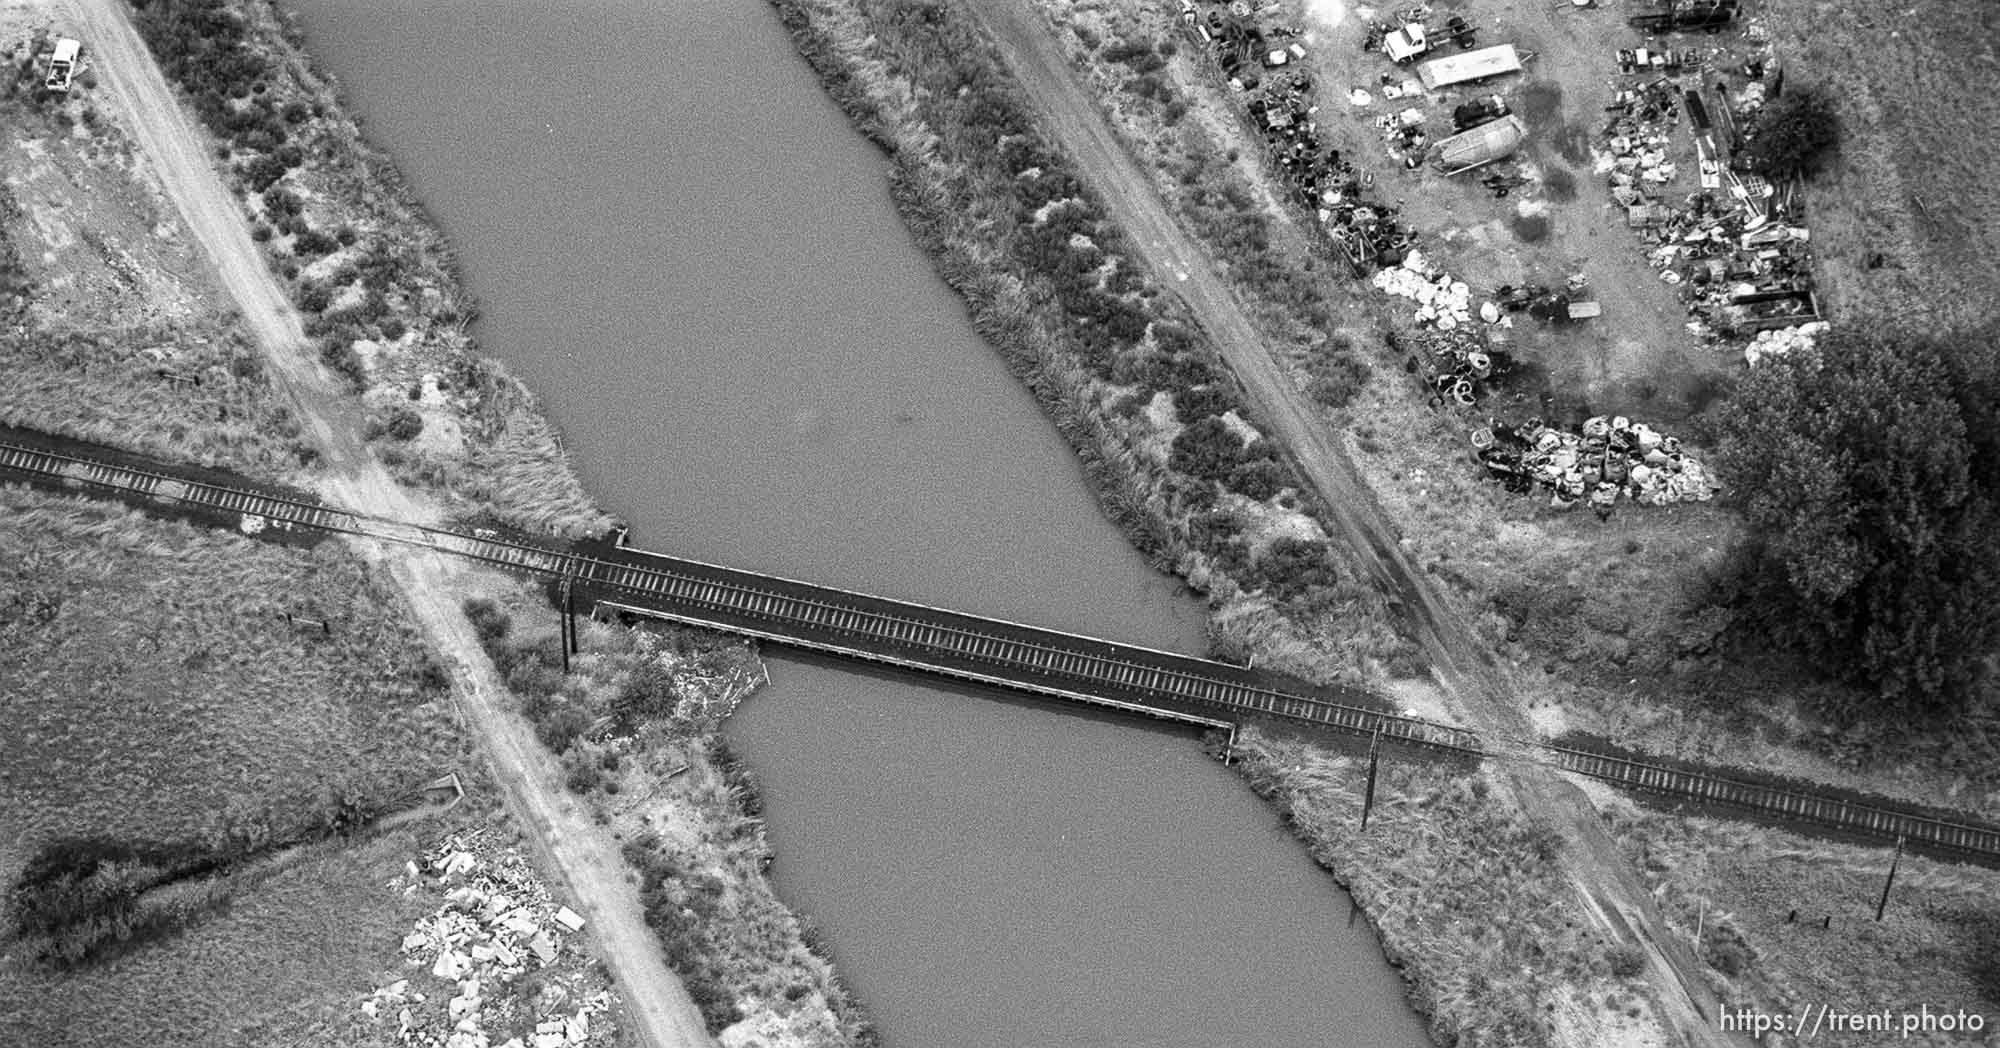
(563,834)
(1480,690)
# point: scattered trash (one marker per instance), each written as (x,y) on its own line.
(1280,104)
(1729,245)
(1608,458)
(1441,301)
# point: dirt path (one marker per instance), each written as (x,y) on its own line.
(1479,689)
(562,833)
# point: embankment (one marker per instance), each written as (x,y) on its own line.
(372,274)
(1176,458)
(1145,402)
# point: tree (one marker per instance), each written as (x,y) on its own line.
(1792,135)
(1871,514)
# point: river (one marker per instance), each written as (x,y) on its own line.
(679,243)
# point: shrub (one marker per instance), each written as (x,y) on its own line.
(1726,951)
(403,424)
(339,354)
(561,725)
(1626,960)
(1207,448)
(1792,135)
(1202,401)
(1259,479)
(1290,566)
(314,243)
(489,622)
(315,297)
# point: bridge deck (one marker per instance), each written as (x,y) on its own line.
(1029,658)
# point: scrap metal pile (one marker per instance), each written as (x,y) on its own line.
(1608,459)
(1733,246)
(1280,103)
(1455,364)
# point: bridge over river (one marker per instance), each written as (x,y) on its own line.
(936,641)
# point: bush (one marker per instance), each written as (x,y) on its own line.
(1792,135)
(1259,479)
(1626,960)
(339,354)
(315,297)
(314,243)
(1207,448)
(1290,566)
(1202,401)
(1726,951)
(403,424)
(488,622)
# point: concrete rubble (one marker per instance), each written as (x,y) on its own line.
(497,925)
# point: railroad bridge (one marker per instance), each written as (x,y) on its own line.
(931,640)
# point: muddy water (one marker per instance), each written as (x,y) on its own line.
(678,241)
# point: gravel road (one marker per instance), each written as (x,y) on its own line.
(1478,688)
(563,834)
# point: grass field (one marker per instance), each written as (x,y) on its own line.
(1938,945)
(155,695)
(1906,219)
(1466,892)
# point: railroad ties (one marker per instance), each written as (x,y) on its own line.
(1925,832)
(1027,658)
(933,640)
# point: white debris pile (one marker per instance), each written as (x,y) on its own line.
(1441,301)
(1781,341)
(496,925)
(1609,459)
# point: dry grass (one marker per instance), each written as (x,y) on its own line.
(154,695)
(1465,892)
(106,387)
(1938,944)
(1913,85)
(284,964)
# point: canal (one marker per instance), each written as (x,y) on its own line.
(680,244)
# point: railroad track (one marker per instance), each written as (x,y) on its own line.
(1780,802)
(935,640)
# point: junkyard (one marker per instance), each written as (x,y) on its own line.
(1582,213)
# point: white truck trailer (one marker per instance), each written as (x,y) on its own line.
(62,65)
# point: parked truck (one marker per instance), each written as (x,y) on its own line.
(62,65)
